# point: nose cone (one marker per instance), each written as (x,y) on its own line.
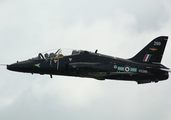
(19,66)
(10,67)
(15,67)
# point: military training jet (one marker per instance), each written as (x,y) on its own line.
(144,67)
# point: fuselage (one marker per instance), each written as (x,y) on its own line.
(93,65)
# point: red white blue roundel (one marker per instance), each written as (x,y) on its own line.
(127,69)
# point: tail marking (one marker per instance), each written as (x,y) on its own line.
(147,57)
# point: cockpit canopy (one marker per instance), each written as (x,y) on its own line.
(56,54)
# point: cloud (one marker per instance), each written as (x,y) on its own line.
(116,28)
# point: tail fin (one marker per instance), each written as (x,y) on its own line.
(153,52)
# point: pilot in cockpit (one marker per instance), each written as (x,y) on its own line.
(48,56)
(52,55)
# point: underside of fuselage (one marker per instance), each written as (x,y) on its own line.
(124,76)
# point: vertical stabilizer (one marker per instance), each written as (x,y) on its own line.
(153,52)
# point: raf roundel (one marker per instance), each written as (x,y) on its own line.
(127,69)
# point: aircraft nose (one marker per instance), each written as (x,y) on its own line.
(14,67)
(19,66)
(8,67)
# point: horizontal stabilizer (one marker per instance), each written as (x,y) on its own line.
(167,70)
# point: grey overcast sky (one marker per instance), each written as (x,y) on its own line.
(114,27)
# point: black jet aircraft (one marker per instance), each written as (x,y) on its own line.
(144,67)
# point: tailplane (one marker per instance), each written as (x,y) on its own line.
(153,52)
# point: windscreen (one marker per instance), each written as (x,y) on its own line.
(55,53)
